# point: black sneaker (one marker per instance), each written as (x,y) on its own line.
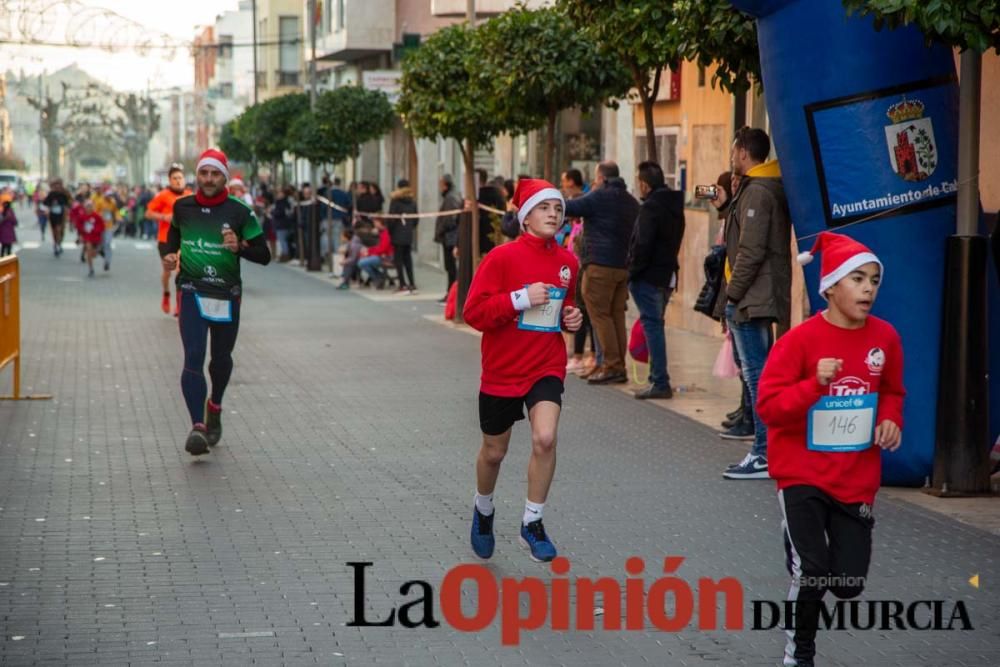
(653,391)
(197,442)
(742,431)
(736,421)
(213,426)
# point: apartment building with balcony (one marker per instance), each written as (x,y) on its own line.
(231,87)
(280,36)
(204,70)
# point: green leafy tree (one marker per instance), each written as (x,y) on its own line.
(267,127)
(540,64)
(446,93)
(713,32)
(968,24)
(231,143)
(345,118)
(649,36)
(350,116)
(445,90)
(639,34)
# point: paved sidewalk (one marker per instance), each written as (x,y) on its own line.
(350,436)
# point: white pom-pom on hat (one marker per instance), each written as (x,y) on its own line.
(804,258)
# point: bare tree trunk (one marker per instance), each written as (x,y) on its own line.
(550,144)
(469,155)
(648,94)
(468,233)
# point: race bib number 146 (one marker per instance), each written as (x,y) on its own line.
(842,423)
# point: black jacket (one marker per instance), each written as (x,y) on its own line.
(490,196)
(656,240)
(369,203)
(401,229)
(283,214)
(446,226)
(609,214)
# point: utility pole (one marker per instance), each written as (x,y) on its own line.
(41,127)
(253,19)
(961,459)
(314,261)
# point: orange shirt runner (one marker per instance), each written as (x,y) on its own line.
(163,203)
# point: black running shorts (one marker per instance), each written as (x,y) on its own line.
(162,248)
(498,413)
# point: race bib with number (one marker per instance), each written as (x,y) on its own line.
(56,209)
(88,227)
(544,317)
(214,310)
(842,423)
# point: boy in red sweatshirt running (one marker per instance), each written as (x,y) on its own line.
(521,298)
(831,395)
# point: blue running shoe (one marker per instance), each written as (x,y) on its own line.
(482,533)
(533,536)
(751,467)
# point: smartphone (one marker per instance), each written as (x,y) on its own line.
(706,192)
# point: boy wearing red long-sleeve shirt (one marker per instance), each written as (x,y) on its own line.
(91,227)
(831,395)
(521,298)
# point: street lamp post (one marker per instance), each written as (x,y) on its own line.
(314,262)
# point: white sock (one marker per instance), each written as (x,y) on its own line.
(484,503)
(532,511)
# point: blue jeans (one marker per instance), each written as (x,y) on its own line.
(753,340)
(372,265)
(652,302)
(106,244)
(284,250)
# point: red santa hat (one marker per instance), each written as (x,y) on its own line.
(531,192)
(214,158)
(841,255)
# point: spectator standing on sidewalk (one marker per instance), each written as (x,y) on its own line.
(758,274)
(492,196)
(284,221)
(571,186)
(652,270)
(8,221)
(609,213)
(446,229)
(738,423)
(402,232)
(341,212)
